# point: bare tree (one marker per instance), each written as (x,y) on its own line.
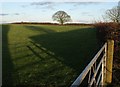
(61,17)
(114,14)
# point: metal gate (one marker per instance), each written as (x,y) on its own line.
(95,70)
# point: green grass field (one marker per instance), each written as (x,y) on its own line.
(46,54)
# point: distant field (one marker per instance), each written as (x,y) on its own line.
(46,54)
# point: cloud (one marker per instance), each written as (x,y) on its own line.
(82,3)
(44,5)
(90,15)
(86,3)
(85,13)
(77,4)
(49,7)
(16,14)
(24,6)
(3,14)
(84,21)
(80,21)
(41,3)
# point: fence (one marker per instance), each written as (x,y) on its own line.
(99,70)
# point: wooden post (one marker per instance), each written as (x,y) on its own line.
(109,60)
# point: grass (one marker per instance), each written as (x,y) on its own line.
(46,54)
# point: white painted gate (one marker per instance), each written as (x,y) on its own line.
(95,70)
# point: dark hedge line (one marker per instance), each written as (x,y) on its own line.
(107,31)
(48,23)
(111,31)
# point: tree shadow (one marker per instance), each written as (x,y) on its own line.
(40,29)
(74,48)
(7,64)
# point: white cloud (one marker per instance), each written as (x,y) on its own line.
(59,0)
(44,5)
(4,14)
(41,3)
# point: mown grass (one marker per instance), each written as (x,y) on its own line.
(46,54)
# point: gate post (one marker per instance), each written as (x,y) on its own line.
(109,60)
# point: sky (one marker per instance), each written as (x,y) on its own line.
(80,12)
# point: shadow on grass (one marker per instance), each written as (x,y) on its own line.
(7,64)
(39,56)
(40,29)
(44,50)
(73,48)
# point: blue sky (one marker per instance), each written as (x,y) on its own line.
(84,12)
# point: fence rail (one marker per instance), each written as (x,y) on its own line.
(96,70)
